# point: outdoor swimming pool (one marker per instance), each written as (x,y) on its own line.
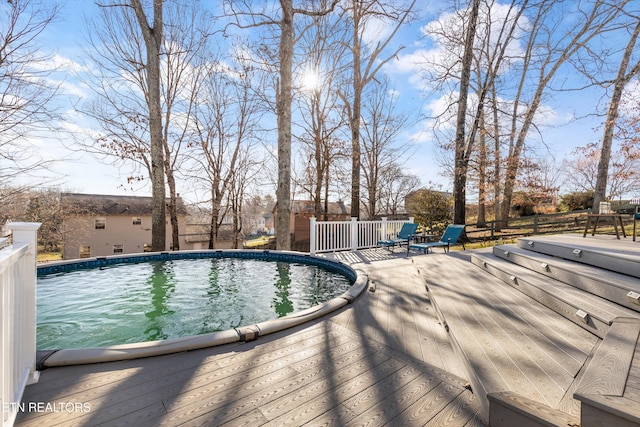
(176,295)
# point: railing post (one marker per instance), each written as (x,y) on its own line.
(312,235)
(27,233)
(384,229)
(354,233)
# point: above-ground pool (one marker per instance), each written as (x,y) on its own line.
(120,300)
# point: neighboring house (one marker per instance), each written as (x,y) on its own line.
(303,210)
(197,236)
(101,225)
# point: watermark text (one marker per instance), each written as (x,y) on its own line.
(45,407)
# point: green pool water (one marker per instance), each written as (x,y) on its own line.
(176,298)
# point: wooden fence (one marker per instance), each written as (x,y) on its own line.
(528,225)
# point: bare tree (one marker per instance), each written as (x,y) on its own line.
(626,72)
(461,155)
(543,64)
(367,62)
(225,126)
(153,38)
(129,107)
(126,96)
(321,112)
(25,94)
(529,52)
(383,154)
(394,188)
(582,169)
(497,30)
(45,207)
(245,173)
(247,15)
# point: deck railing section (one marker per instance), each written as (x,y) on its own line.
(332,236)
(18,317)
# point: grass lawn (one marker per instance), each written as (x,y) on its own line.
(49,256)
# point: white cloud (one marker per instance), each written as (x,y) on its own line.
(439,56)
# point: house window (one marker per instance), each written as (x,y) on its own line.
(101,223)
(85,251)
(118,249)
(137,221)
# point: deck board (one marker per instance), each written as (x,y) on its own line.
(385,359)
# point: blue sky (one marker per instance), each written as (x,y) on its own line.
(83,173)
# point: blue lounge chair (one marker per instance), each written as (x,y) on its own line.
(450,237)
(404,236)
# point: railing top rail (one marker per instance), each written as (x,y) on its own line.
(333,222)
(10,254)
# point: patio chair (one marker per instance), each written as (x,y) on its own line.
(404,236)
(450,237)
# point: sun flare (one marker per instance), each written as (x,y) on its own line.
(310,80)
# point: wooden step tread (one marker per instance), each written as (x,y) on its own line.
(585,272)
(509,342)
(566,299)
(622,256)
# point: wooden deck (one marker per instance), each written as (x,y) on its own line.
(435,340)
(383,360)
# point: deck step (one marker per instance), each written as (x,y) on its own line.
(608,390)
(622,256)
(507,342)
(619,288)
(509,409)
(586,310)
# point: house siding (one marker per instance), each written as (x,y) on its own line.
(111,225)
(80,231)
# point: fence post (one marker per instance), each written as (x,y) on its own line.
(535,224)
(354,233)
(26,233)
(312,235)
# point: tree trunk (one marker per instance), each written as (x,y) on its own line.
(319,154)
(612,115)
(460,166)
(173,210)
(497,162)
(215,212)
(482,176)
(354,122)
(153,41)
(283,109)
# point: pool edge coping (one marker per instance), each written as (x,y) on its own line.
(80,356)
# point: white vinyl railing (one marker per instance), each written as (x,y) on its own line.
(18,317)
(331,236)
